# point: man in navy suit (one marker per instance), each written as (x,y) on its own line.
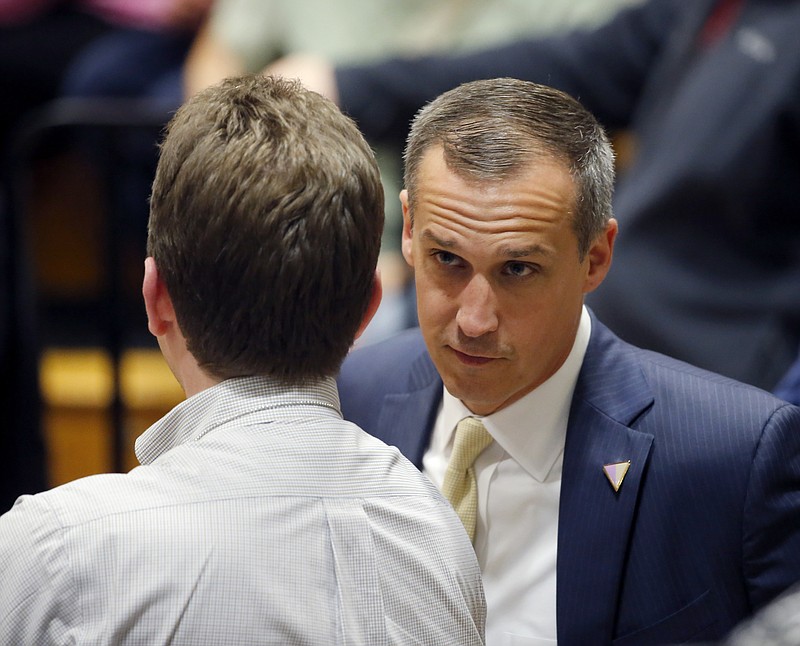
(623,497)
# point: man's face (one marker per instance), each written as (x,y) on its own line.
(499,281)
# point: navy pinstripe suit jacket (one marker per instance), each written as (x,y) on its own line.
(704,530)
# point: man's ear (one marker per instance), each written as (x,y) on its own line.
(407,229)
(157,302)
(599,256)
(374,303)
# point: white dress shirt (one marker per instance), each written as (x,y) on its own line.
(259,516)
(519,483)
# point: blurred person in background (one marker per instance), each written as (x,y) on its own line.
(707,266)
(776,625)
(43,41)
(45,46)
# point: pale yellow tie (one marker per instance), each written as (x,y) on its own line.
(460,487)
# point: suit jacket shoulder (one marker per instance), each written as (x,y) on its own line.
(392,390)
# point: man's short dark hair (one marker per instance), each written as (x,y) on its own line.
(492,129)
(265,225)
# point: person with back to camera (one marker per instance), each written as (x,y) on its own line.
(614,495)
(258,515)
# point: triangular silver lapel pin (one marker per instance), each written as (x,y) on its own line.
(616,473)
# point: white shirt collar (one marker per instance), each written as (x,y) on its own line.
(230,400)
(547,407)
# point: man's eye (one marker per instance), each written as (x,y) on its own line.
(518,269)
(445,257)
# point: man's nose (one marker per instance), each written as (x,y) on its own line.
(477,311)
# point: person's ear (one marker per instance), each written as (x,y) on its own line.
(374,303)
(599,256)
(157,302)
(407,229)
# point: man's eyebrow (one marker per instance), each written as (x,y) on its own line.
(522,252)
(505,250)
(439,242)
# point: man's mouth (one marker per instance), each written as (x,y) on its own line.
(471,359)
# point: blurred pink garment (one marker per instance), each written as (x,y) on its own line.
(13,12)
(150,14)
(146,14)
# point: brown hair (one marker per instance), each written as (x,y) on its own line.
(265,224)
(492,129)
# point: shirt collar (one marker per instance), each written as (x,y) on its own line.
(532,430)
(233,399)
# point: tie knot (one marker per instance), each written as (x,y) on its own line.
(470,441)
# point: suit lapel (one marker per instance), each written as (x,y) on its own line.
(407,418)
(595,522)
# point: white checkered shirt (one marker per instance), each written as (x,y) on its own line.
(259,516)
